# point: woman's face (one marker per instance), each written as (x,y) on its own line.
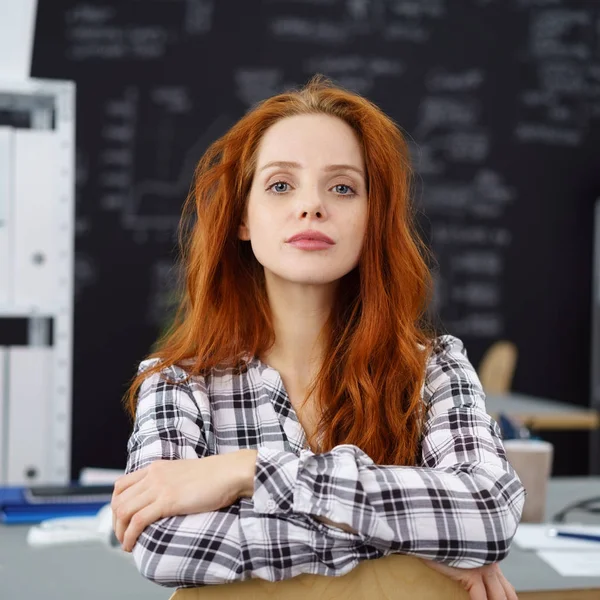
(323,190)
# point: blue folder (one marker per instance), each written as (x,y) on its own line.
(33,504)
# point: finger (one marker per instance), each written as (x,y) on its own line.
(442,568)
(125,481)
(121,500)
(493,587)
(476,589)
(509,589)
(125,511)
(134,489)
(138,523)
(469,579)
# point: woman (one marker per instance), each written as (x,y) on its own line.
(332,425)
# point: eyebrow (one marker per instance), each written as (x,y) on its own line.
(285,164)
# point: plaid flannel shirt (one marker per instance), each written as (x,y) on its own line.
(461,505)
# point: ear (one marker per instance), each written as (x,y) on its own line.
(243,232)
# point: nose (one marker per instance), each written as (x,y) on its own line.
(311,205)
(307,213)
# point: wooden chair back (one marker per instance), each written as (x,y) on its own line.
(497,367)
(393,577)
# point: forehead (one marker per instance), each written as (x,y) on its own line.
(310,140)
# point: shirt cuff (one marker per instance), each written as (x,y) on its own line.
(327,484)
(274,481)
(320,485)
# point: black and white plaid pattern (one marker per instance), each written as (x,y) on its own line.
(460,506)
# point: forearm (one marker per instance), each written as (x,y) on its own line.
(243,473)
(237,543)
(464,514)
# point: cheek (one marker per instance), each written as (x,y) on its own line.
(266,231)
(359,228)
(358,224)
(270,225)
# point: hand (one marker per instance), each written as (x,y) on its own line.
(482,583)
(168,488)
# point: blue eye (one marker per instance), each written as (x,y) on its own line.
(339,185)
(343,185)
(279,183)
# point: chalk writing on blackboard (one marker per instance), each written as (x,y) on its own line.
(556,108)
(440,79)
(97,32)
(478,262)
(315,30)
(407,32)
(547,134)
(418,8)
(198,16)
(253,84)
(475,324)
(117,153)
(561,32)
(474,235)
(485,196)
(355,72)
(436,111)
(86,273)
(477,293)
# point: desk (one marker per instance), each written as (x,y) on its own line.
(531,575)
(96,572)
(538,413)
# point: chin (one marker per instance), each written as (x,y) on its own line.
(313,277)
(307,272)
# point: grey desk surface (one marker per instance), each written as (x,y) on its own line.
(96,572)
(543,413)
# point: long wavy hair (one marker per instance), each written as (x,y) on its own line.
(378,336)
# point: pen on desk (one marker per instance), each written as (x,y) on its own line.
(572,534)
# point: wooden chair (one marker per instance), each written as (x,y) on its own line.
(497,367)
(393,577)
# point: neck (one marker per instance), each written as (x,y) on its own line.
(299,312)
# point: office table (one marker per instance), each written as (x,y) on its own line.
(96,572)
(539,413)
(542,414)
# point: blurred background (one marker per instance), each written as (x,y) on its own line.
(500,100)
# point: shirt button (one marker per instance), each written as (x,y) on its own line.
(271,504)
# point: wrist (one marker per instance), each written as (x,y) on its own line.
(245,472)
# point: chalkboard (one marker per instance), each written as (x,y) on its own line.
(500,100)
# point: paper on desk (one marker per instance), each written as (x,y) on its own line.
(95,476)
(533,536)
(572,563)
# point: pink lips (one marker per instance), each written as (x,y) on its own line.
(311,235)
(311,240)
(311,244)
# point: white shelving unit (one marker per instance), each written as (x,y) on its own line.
(37,182)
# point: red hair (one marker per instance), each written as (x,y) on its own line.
(377,338)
